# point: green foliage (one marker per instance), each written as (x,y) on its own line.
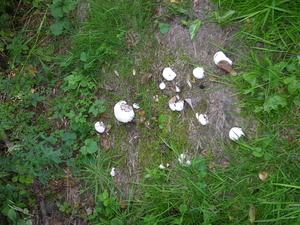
(90,147)
(193,27)
(164,28)
(59,9)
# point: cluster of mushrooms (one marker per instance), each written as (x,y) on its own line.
(125,113)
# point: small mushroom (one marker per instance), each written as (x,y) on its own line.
(161,166)
(135,106)
(162,86)
(99,127)
(169,74)
(182,160)
(123,112)
(219,56)
(202,118)
(235,133)
(176,105)
(198,72)
(222,61)
(113,172)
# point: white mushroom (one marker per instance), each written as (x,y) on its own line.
(169,74)
(135,106)
(113,172)
(202,118)
(176,105)
(235,133)
(162,86)
(177,89)
(161,166)
(220,56)
(99,127)
(198,72)
(182,160)
(123,112)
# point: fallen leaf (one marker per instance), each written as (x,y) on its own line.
(172,100)
(108,128)
(252,213)
(141,112)
(189,101)
(146,77)
(223,64)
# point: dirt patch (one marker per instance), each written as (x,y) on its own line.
(176,50)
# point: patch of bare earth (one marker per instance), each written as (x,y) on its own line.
(208,95)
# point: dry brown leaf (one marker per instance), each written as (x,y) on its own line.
(172,100)
(223,64)
(141,112)
(146,77)
(252,213)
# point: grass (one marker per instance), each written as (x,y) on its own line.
(117,39)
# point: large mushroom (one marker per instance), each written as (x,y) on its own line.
(235,133)
(222,61)
(123,112)
(169,74)
(198,72)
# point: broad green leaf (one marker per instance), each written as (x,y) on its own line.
(90,147)
(186,23)
(194,28)
(116,221)
(250,78)
(293,87)
(226,16)
(83,56)
(183,208)
(273,102)
(164,28)
(12,215)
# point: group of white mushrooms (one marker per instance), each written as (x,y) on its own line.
(125,113)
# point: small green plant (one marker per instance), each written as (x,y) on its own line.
(164,28)
(59,9)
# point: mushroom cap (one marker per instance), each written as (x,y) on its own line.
(235,133)
(113,172)
(169,74)
(177,106)
(219,56)
(202,118)
(123,112)
(198,72)
(99,127)
(162,86)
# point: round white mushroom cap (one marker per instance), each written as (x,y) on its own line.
(235,133)
(198,72)
(202,118)
(219,56)
(99,127)
(162,86)
(123,112)
(169,74)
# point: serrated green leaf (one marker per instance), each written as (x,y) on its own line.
(194,28)
(273,102)
(293,87)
